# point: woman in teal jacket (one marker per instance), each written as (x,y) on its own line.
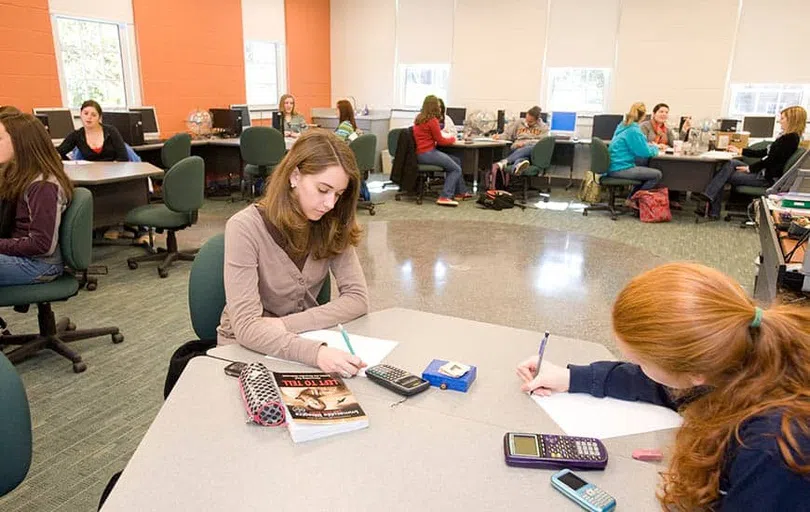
(629,144)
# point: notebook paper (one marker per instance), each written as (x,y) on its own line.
(580,414)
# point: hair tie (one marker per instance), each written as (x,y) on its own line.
(757,321)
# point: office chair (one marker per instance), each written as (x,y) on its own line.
(76,243)
(262,148)
(183,188)
(600,163)
(365,152)
(540,164)
(392,150)
(425,175)
(15,429)
(175,149)
(742,196)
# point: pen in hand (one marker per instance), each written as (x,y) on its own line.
(540,356)
(346,338)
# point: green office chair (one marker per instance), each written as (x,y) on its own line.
(15,429)
(742,196)
(426,174)
(365,152)
(540,164)
(175,149)
(183,188)
(600,163)
(763,144)
(262,148)
(76,243)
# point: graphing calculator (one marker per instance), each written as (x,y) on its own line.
(584,494)
(551,451)
(398,381)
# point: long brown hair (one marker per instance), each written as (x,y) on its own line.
(430,110)
(346,112)
(797,119)
(34,155)
(636,113)
(281,101)
(313,152)
(689,319)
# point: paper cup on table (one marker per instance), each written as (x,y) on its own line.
(677,146)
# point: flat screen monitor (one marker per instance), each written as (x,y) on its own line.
(245,112)
(226,121)
(278,121)
(759,126)
(728,125)
(60,121)
(151,130)
(457,114)
(604,125)
(564,121)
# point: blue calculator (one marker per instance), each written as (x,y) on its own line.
(584,494)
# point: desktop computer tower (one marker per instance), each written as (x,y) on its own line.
(278,121)
(129,124)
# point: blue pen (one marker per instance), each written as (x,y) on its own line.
(540,354)
(349,343)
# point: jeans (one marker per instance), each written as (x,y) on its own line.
(453,181)
(16,270)
(729,174)
(524,153)
(649,177)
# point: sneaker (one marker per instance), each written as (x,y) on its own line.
(446,201)
(520,167)
(462,197)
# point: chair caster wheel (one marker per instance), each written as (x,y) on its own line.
(117,338)
(372,212)
(92,286)
(79,367)
(545,199)
(397,198)
(418,201)
(697,220)
(727,218)
(163,273)
(584,213)
(132,264)
(70,326)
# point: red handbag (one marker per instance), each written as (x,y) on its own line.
(653,205)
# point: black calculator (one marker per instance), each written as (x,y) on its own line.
(398,381)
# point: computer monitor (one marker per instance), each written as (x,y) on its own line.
(245,111)
(226,121)
(759,126)
(728,125)
(604,125)
(60,121)
(564,121)
(457,114)
(42,118)
(151,130)
(129,124)
(278,121)
(501,121)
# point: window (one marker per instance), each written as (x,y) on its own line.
(92,63)
(261,72)
(766,99)
(577,89)
(417,81)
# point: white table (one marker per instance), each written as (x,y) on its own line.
(440,450)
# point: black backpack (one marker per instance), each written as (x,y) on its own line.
(496,200)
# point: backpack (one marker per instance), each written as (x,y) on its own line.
(496,179)
(653,205)
(496,200)
(589,190)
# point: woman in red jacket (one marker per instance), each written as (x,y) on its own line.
(428,134)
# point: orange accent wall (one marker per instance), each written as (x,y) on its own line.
(28,75)
(308,53)
(191,56)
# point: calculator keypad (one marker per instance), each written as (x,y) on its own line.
(571,448)
(388,372)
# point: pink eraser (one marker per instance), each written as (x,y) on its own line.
(648,455)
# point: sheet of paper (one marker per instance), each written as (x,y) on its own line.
(718,155)
(580,414)
(371,350)
(76,162)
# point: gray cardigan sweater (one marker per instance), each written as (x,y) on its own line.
(261,281)
(649,132)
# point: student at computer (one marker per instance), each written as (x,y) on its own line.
(96,141)
(627,145)
(33,180)
(279,251)
(428,135)
(347,129)
(738,374)
(294,123)
(765,172)
(446,122)
(657,131)
(524,134)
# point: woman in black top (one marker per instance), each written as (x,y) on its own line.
(765,172)
(96,142)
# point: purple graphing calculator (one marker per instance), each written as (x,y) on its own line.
(551,451)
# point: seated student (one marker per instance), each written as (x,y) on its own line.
(96,141)
(278,253)
(446,122)
(427,135)
(739,376)
(628,144)
(347,129)
(765,172)
(294,123)
(657,131)
(524,133)
(33,180)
